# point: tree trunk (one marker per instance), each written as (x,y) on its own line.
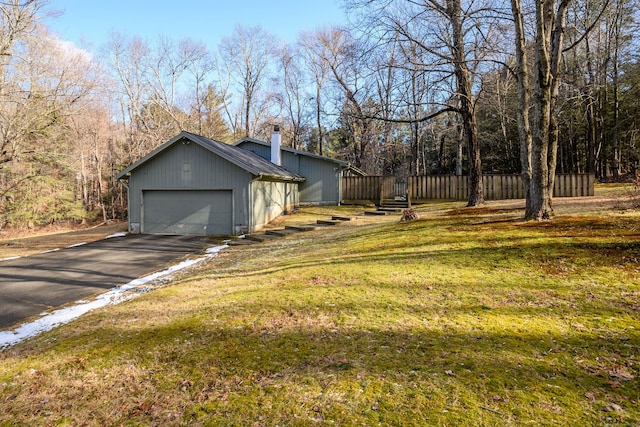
(247,115)
(318,121)
(467,110)
(459,149)
(524,100)
(415,150)
(591,137)
(557,40)
(548,47)
(476,196)
(443,141)
(616,93)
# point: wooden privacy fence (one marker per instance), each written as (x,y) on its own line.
(450,187)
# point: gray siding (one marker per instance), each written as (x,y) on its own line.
(270,200)
(261,150)
(322,177)
(190,167)
(322,183)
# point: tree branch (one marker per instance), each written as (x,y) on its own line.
(589,28)
(418,120)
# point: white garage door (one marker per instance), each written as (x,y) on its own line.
(187,212)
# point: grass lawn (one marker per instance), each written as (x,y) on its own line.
(467,317)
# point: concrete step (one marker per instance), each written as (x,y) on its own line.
(341,218)
(281,233)
(390,209)
(302,228)
(261,237)
(395,203)
(328,222)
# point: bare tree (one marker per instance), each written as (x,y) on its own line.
(212,123)
(451,38)
(164,69)
(524,99)
(164,88)
(199,64)
(247,56)
(456,15)
(319,69)
(550,18)
(294,95)
(45,81)
(126,58)
(344,60)
(18,21)
(91,149)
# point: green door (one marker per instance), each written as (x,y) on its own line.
(187,212)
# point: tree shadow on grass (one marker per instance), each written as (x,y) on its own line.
(284,361)
(596,255)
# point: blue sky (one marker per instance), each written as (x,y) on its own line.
(87,23)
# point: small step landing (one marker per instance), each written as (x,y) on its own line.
(335,220)
(281,233)
(262,237)
(301,228)
(390,209)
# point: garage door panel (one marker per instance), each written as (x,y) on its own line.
(188,212)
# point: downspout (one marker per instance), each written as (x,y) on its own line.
(340,175)
(250,201)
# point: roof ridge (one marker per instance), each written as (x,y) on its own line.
(244,159)
(291,149)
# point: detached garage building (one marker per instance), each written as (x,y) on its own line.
(195,185)
(323,175)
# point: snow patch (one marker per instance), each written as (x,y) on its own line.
(121,234)
(53,319)
(76,245)
(215,249)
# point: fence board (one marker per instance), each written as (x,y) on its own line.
(451,187)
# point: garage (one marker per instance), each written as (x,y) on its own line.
(195,212)
(192,185)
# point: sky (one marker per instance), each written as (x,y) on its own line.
(87,23)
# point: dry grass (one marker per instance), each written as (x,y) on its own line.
(464,317)
(22,243)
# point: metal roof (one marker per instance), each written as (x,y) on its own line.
(293,150)
(244,159)
(341,163)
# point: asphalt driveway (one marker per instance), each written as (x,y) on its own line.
(40,282)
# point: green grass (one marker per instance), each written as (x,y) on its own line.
(465,317)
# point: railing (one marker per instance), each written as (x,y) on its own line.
(374,189)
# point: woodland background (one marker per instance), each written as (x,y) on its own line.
(381,93)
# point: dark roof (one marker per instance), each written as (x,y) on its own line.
(341,163)
(247,160)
